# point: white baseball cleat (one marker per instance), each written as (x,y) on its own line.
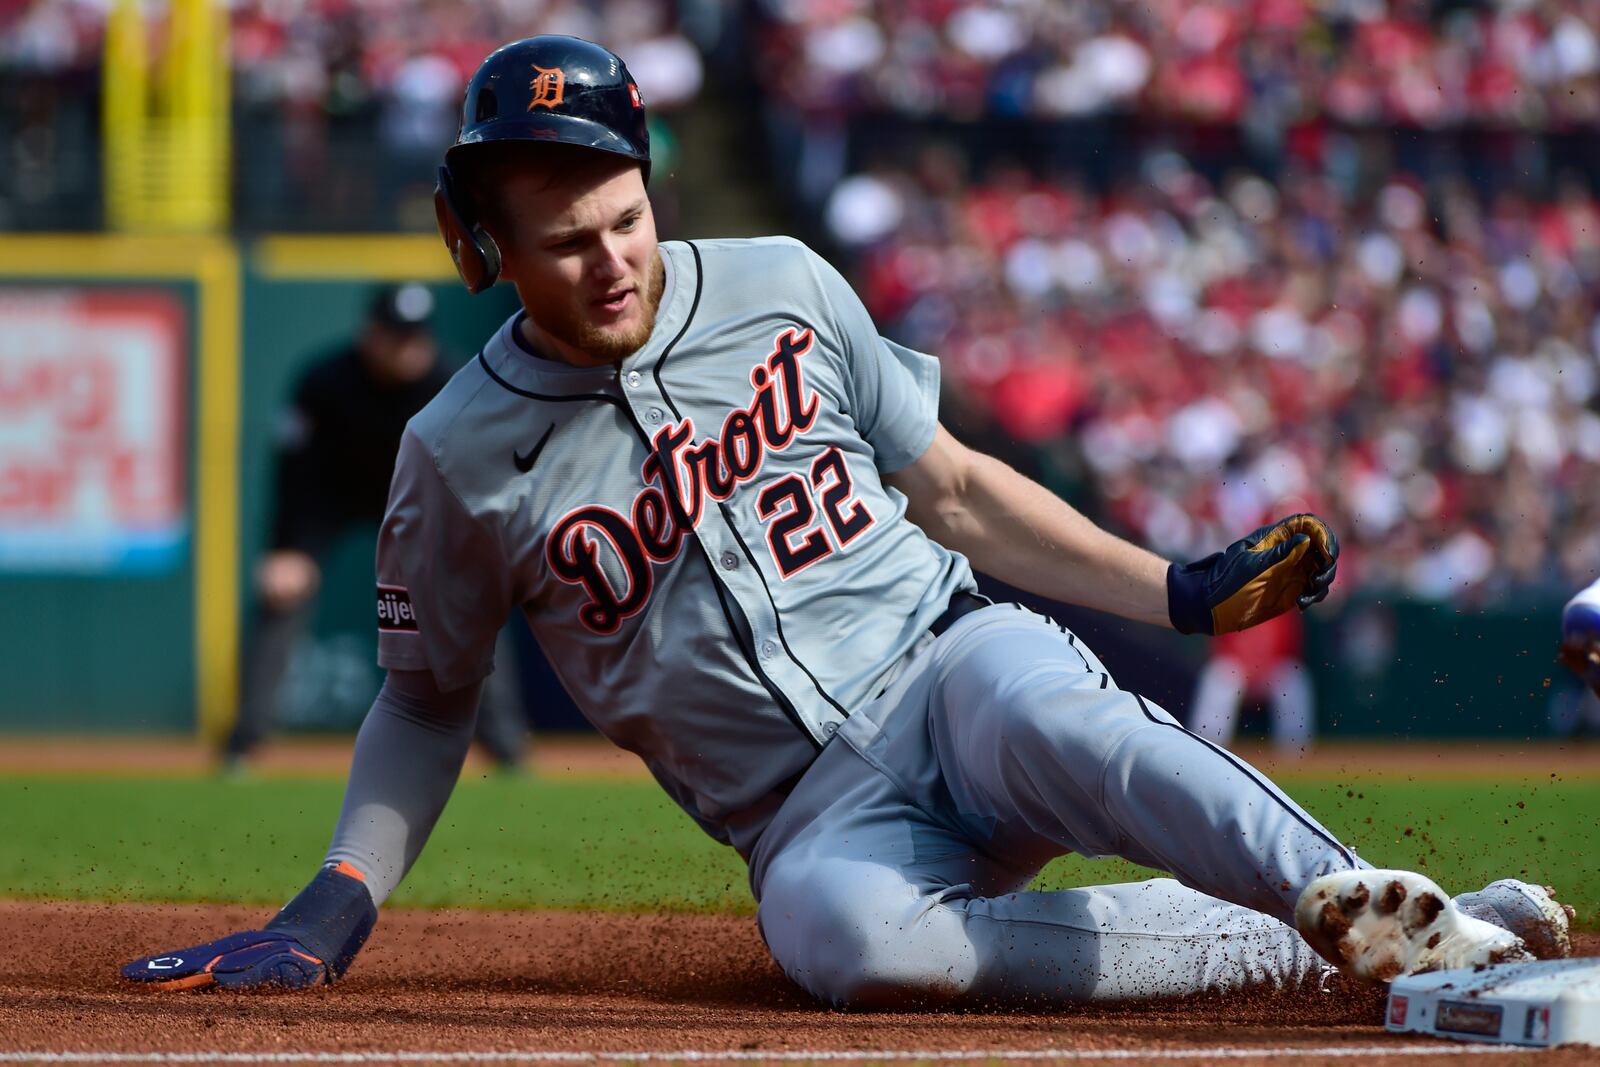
(1529,911)
(1382,924)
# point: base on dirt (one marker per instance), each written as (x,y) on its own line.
(1543,1004)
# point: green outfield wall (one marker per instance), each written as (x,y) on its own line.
(1388,666)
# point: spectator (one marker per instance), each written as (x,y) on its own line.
(1268,666)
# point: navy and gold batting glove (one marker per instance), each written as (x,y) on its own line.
(1285,564)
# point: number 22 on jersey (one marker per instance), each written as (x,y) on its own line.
(789,507)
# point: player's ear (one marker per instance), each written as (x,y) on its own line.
(497,228)
(476,257)
(508,254)
(500,234)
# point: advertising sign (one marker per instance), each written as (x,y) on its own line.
(92,430)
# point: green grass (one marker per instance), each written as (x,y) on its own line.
(501,843)
(621,845)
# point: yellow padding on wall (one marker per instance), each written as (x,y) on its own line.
(362,257)
(111,255)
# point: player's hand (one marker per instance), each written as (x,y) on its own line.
(253,959)
(1284,564)
(310,942)
(1580,642)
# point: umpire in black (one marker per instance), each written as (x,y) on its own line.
(335,457)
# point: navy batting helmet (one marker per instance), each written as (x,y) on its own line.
(549,89)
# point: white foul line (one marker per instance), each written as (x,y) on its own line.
(1234,1052)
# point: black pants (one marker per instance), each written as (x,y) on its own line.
(501,727)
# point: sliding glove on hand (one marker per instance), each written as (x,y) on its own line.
(238,961)
(310,942)
(1284,564)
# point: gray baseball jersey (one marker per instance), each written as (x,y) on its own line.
(699,536)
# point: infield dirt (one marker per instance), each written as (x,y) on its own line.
(589,756)
(584,982)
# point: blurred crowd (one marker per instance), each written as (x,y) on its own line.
(1417,357)
(341,106)
(336,54)
(1420,365)
(1530,63)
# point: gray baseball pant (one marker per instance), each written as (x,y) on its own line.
(895,873)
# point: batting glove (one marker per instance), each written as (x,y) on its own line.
(1580,641)
(312,941)
(238,961)
(1284,564)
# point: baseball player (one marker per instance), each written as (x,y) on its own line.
(726,508)
(1265,660)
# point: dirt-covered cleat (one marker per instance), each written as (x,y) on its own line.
(1382,924)
(1530,911)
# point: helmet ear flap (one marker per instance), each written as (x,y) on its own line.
(474,252)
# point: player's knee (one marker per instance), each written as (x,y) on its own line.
(871,947)
(862,967)
(869,988)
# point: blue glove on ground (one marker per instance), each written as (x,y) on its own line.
(253,958)
(310,942)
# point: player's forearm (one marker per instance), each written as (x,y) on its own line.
(1016,530)
(408,756)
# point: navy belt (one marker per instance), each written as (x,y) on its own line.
(961,603)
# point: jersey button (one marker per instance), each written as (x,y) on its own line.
(653,415)
(830,728)
(729,561)
(633,378)
(768,649)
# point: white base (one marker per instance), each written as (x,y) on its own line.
(1546,1003)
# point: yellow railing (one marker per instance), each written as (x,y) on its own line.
(167,137)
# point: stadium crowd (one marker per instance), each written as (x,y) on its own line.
(1529,63)
(341,105)
(1421,365)
(1419,361)
(335,53)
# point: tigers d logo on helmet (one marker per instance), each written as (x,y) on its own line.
(549,87)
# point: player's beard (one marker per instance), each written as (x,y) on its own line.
(570,325)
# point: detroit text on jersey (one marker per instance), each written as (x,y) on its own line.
(680,476)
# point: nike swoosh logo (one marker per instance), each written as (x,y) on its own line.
(525,463)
